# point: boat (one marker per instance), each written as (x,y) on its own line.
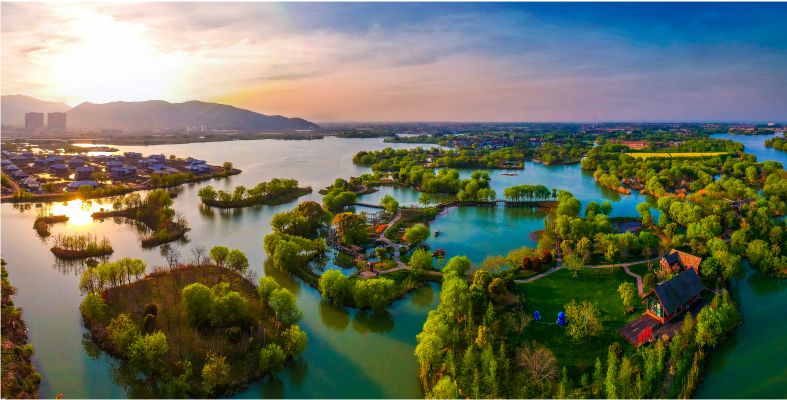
(509,174)
(436,233)
(439,253)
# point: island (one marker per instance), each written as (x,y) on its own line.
(191,330)
(276,191)
(20,378)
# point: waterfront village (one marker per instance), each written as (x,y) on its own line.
(49,172)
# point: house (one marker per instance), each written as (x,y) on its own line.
(677,261)
(6,162)
(73,186)
(10,168)
(635,144)
(132,154)
(75,162)
(666,308)
(84,172)
(198,167)
(40,162)
(20,174)
(54,160)
(18,157)
(123,172)
(671,298)
(161,169)
(27,155)
(160,158)
(58,168)
(113,164)
(31,184)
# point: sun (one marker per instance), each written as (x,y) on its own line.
(108,60)
(79,212)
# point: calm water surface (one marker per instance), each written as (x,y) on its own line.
(350,353)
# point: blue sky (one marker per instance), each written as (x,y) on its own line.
(412,61)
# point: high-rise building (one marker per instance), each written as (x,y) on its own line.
(56,121)
(34,122)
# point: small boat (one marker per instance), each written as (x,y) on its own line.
(509,174)
(436,233)
(439,253)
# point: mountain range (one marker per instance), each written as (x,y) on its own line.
(15,106)
(154,115)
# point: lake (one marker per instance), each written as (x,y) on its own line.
(350,353)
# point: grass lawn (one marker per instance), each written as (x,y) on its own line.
(642,269)
(548,295)
(677,155)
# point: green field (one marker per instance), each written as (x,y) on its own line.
(549,294)
(677,155)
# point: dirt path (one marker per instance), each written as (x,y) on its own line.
(625,266)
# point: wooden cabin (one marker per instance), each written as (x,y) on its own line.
(677,261)
(671,298)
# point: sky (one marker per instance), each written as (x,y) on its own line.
(328,62)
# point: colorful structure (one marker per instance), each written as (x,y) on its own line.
(676,261)
(671,298)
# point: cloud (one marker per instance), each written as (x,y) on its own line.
(408,62)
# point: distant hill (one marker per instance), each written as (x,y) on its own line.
(15,106)
(162,115)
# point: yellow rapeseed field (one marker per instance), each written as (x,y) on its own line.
(676,155)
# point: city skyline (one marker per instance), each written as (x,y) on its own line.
(410,62)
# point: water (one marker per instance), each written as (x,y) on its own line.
(350,353)
(755,144)
(750,363)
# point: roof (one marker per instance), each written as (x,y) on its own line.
(679,290)
(77,184)
(85,168)
(686,260)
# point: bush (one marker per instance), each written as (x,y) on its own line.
(122,332)
(295,340)
(334,285)
(416,234)
(583,320)
(93,307)
(197,299)
(272,358)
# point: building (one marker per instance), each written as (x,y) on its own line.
(56,121)
(73,186)
(671,298)
(677,261)
(58,168)
(76,162)
(123,172)
(666,307)
(635,144)
(84,172)
(34,122)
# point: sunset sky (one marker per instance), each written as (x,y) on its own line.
(410,62)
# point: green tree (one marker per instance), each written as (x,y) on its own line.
(219,254)
(421,260)
(215,373)
(282,302)
(230,309)
(266,287)
(445,389)
(197,300)
(416,234)
(272,358)
(334,285)
(147,354)
(295,340)
(583,320)
(390,204)
(236,260)
(93,307)
(611,253)
(574,263)
(351,228)
(628,295)
(122,332)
